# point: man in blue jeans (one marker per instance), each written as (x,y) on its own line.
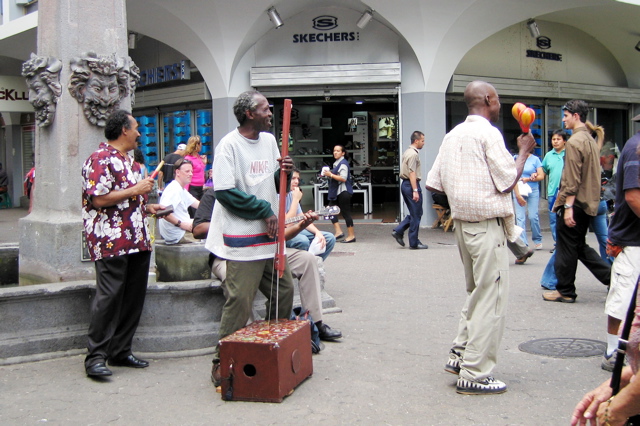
(411,175)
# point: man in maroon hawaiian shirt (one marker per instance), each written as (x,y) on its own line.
(115,223)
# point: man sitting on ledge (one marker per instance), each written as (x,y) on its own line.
(174,227)
(303,266)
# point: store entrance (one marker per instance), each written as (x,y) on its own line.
(368,128)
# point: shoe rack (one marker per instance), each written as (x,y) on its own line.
(177,128)
(384,150)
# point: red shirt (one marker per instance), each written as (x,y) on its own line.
(120,229)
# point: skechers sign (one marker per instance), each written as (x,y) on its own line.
(325,23)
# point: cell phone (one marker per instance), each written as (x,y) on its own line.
(164,212)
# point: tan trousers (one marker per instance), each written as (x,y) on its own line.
(483,250)
(304,267)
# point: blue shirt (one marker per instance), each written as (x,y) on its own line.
(530,167)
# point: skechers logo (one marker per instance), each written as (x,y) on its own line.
(325,23)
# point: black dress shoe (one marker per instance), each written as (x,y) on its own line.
(216,377)
(398,238)
(420,246)
(130,361)
(327,333)
(98,370)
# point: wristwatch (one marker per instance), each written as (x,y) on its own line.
(177,225)
(568,206)
(415,190)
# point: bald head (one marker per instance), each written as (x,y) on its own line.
(482,99)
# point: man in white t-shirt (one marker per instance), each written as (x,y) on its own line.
(174,227)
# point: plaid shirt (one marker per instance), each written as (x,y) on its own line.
(473,168)
(114,230)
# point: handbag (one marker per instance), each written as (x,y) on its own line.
(524,189)
(622,350)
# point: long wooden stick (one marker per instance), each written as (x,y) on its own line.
(280,260)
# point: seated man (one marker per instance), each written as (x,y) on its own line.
(303,240)
(302,263)
(174,227)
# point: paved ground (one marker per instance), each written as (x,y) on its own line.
(400,312)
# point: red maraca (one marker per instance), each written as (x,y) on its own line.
(523,115)
(526,118)
(517,109)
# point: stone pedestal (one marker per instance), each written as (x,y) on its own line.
(50,237)
(182,262)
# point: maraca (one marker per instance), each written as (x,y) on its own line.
(523,115)
(517,109)
(526,118)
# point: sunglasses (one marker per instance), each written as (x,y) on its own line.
(180,162)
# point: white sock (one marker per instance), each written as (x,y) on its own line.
(612,343)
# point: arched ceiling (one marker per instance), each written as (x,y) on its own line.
(215,34)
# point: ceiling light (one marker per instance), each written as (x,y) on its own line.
(275,17)
(131,42)
(533,28)
(365,18)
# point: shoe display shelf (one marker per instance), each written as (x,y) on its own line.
(148,141)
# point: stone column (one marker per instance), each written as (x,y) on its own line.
(50,237)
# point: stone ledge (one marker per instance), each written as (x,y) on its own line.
(46,321)
(49,320)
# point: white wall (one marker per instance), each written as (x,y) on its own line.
(584,59)
(373,44)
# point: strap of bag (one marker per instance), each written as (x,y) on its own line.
(622,344)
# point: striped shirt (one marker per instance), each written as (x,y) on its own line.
(248,166)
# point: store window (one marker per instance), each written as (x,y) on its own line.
(177,127)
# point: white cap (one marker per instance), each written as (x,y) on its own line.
(182,146)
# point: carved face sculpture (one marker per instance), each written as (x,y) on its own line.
(42,75)
(99,83)
(101,96)
(41,97)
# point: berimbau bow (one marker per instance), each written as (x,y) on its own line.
(280,260)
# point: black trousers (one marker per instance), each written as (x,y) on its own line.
(121,286)
(571,246)
(197,192)
(344,202)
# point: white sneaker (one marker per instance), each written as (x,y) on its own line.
(488,386)
(453,363)
(538,246)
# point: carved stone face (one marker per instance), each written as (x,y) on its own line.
(100,83)
(101,97)
(42,98)
(42,74)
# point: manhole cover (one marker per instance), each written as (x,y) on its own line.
(564,347)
